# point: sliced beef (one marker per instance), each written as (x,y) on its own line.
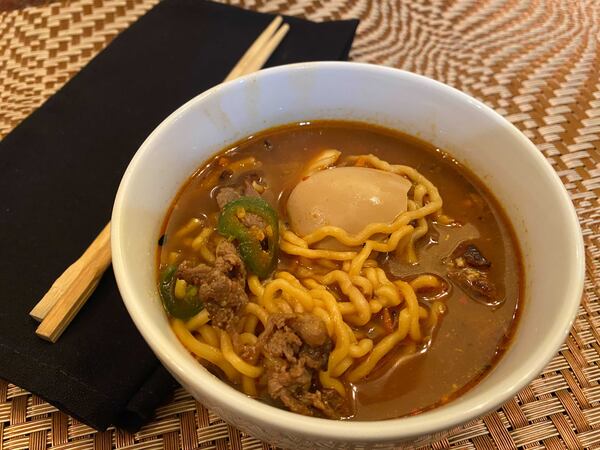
(468,268)
(253,221)
(474,258)
(312,331)
(221,287)
(295,347)
(227,194)
(230,193)
(476,283)
(248,352)
(278,341)
(242,187)
(248,182)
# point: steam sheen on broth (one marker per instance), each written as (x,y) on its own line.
(270,301)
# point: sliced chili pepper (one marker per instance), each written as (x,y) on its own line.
(259,261)
(183,308)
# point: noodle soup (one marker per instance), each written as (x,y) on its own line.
(340,270)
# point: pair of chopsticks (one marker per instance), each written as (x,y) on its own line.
(70,291)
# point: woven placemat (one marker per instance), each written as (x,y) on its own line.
(535,62)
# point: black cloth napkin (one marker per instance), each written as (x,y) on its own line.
(59,172)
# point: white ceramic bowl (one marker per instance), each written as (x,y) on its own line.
(508,163)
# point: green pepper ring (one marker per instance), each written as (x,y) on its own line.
(257,260)
(180,309)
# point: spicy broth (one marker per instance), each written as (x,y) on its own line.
(471,336)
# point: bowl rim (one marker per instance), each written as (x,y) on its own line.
(428,422)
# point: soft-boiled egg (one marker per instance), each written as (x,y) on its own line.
(347,197)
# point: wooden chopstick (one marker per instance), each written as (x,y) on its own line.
(261,57)
(70,291)
(240,68)
(75,281)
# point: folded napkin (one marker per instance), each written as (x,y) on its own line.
(60,171)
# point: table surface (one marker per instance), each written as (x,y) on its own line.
(536,62)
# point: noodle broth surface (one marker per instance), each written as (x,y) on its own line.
(470,336)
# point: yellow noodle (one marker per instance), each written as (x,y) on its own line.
(209,334)
(350,333)
(285,306)
(270,306)
(421,229)
(238,363)
(297,305)
(326,263)
(425,282)
(326,318)
(195,322)
(443,219)
(342,337)
(342,341)
(382,278)
(292,249)
(311,283)
(392,242)
(255,286)
(248,338)
(372,276)
(319,303)
(342,367)
(250,324)
(358,239)
(201,238)
(347,308)
(375,306)
(304,272)
(208,256)
(323,160)
(201,350)
(283,285)
(328,382)
(258,311)
(403,245)
(382,348)
(362,309)
(357,263)
(389,294)
(192,225)
(437,309)
(293,238)
(289,278)
(174,258)
(386,289)
(389,246)
(243,164)
(361,349)
(363,284)
(407,171)
(413,308)
(249,386)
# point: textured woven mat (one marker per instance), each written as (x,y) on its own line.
(535,62)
